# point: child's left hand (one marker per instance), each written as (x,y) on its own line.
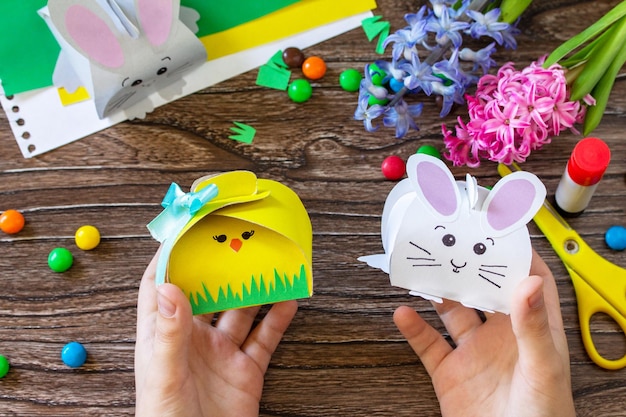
(195,366)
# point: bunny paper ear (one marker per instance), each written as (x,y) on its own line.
(435,185)
(89,29)
(512,203)
(156,18)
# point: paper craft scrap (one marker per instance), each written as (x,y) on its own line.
(455,239)
(122,51)
(218,16)
(374,27)
(234,241)
(271,75)
(28,52)
(298,17)
(244,133)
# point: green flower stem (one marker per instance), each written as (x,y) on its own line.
(602,91)
(586,35)
(599,60)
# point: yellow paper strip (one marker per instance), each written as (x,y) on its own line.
(299,17)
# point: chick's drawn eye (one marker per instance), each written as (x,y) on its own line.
(480,248)
(247,235)
(220,238)
(161,70)
(448,240)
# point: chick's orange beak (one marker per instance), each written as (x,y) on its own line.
(236,244)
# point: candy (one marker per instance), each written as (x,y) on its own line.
(393,167)
(4,366)
(429,150)
(11,221)
(350,80)
(74,354)
(293,57)
(87,237)
(314,68)
(615,237)
(60,259)
(300,90)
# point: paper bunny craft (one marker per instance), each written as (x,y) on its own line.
(457,240)
(122,51)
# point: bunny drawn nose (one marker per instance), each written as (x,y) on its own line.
(236,244)
(457,268)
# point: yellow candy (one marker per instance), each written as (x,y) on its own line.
(87,237)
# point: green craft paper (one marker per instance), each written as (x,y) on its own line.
(28,51)
(272,76)
(217,16)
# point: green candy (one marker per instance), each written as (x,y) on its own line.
(429,150)
(350,80)
(300,90)
(4,366)
(60,259)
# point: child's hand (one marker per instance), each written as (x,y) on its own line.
(190,366)
(513,366)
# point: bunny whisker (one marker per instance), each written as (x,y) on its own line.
(488,280)
(491,272)
(419,247)
(421,259)
(180,69)
(426,265)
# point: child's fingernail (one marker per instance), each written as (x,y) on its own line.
(166,307)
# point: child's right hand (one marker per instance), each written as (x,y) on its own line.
(508,366)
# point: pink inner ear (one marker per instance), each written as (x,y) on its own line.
(437,188)
(510,204)
(156,18)
(94,37)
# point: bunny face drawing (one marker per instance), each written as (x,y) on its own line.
(122,51)
(456,240)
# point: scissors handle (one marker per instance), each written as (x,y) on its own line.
(590,303)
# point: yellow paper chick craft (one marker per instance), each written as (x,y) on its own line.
(248,243)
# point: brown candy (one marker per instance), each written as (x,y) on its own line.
(293,57)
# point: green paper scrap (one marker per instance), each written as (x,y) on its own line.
(277,59)
(272,76)
(244,133)
(380,46)
(372,27)
(28,51)
(217,16)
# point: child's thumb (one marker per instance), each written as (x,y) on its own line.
(531,326)
(173,325)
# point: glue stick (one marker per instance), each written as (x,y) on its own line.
(583,172)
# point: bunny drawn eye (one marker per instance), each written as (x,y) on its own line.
(136,83)
(162,71)
(247,235)
(220,238)
(448,240)
(480,248)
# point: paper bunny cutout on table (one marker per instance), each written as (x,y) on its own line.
(457,240)
(122,51)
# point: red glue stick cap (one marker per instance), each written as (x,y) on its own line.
(588,161)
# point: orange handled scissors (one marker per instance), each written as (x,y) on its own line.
(599,284)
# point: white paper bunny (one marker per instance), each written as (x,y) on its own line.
(456,240)
(122,51)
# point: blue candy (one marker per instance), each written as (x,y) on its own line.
(74,354)
(615,237)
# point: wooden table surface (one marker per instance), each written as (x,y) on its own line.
(342,355)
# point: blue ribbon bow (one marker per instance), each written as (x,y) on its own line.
(179,209)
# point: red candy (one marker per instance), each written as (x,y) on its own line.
(393,167)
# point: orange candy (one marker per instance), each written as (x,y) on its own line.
(11,221)
(314,68)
